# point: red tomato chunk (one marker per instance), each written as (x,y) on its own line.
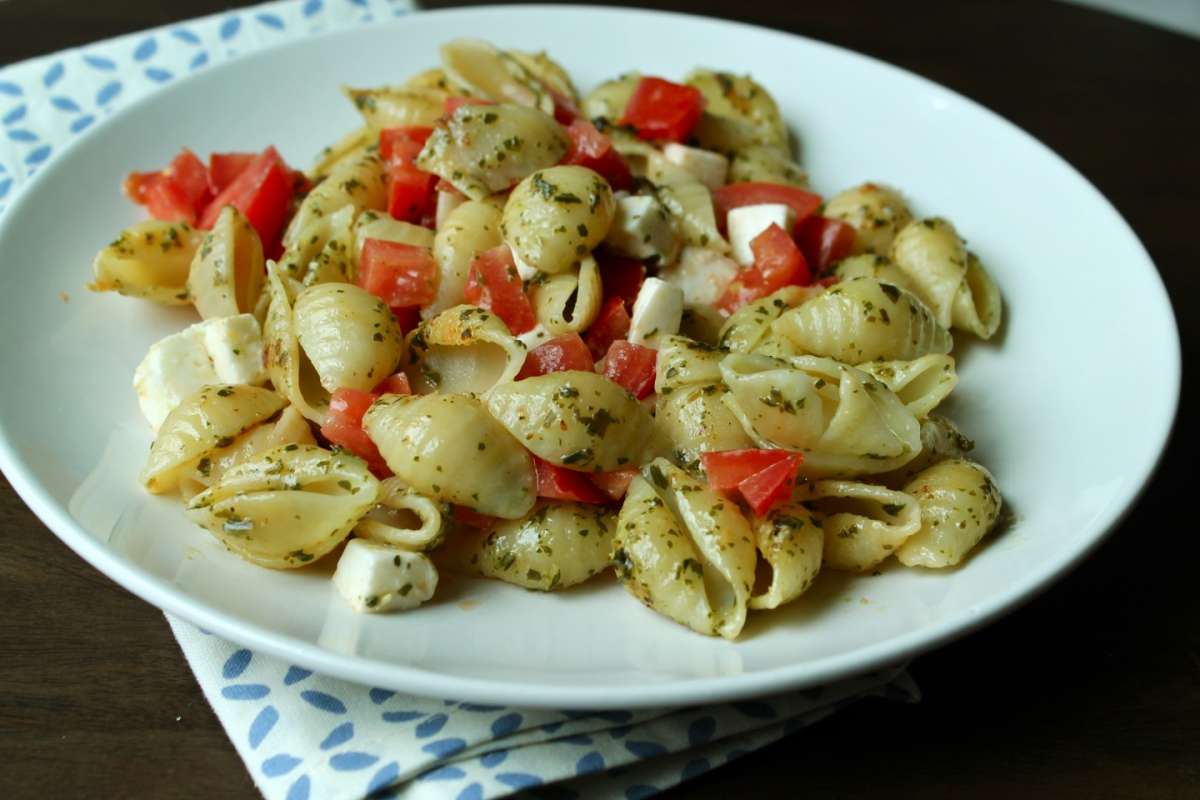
(632,367)
(262,192)
(764,478)
(778,262)
(493,283)
(752,193)
(223,169)
(772,485)
(559,483)
(343,427)
(615,483)
(662,110)
(611,323)
(825,241)
(399,274)
(621,277)
(592,149)
(565,352)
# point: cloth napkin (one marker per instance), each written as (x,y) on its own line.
(303,735)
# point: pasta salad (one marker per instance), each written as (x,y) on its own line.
(506,330)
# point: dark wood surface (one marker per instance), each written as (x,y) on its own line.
(1092,690)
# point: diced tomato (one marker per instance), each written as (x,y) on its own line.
(752,193)
(772,484)
(399,274)
(407,317)
(188,174)
(444,185)
(621,277)
(824,241)
(177,193)
(493,283)
(411,195)
(403,143)
(136,184)
(559,483)
(343,427)
(557,355)
(565,110)
(262,192)
(164,200)
(615,483)
(659,109)
(592,149)
(394,384)
(778,262)
(473,518)
(611,323)
(223,169)
(631,366)
(727,468)
(452,104)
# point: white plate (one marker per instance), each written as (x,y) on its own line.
(1070,407)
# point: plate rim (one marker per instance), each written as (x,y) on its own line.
(681,691)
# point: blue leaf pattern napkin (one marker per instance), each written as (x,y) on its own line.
(303,735)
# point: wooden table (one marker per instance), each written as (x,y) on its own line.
(1092,690)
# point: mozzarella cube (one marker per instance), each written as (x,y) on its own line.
(223,350)
(709,167)
(747,222)
(643,228)
(378,577)
(657,312)
(702,274)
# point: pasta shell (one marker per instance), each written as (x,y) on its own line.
(447,447)
(608,100)
(148,260)
(876,213)
(552,74)
(685,551)
(767,164)
(371,225)
(869,265)
(738,112)
(352,146)
(940,440)
(492,73)
(570,301)
(554,218)
(688,200)
(226,276)
(790,545)
(700,323)
(695,419)
(933,256)
(348,335)
(863,523)
(977,307)
(843,420)
(920,384)
(959,504)
(402,518)
(290,428)
(470,229)
(556,546)
(463,349)
(391,107)
(746,327)
(684,362)
(288,507)
(359,183)
(204,422)
(863,319)
(579,420)
(487,149)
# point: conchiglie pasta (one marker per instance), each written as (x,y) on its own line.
(487,149)
(554,218)
(288,507)
(843,420)
(767,164)
(402,518)
(959,504)
(392,107)
(683,362)
(920,384)
(739,112)
(470,229)
(940,440)
(688,200)
(490,72)
(875,212)
(861,320)
(746,328)
(685,551)
(348,335)
(790,545)
(447,447)
(556,546)
(227,273)
(863,523)
(202,423)
(149,260)
(933,256)
(869,265)
(977,306)
(289,428)
(350,147)
(579,420)
(569,301)
(359,183)
(695,419)
(463,349)
(372,225)
(608,100)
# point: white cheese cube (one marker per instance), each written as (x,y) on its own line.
(702,274)
(222,350)
(377,577)
(657,312)
(709,167)
(643,228)
(747,222)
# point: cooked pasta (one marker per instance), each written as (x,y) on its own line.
(510,330)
